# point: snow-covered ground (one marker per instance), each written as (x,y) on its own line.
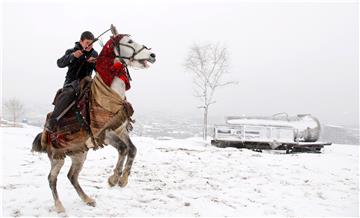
(184,178)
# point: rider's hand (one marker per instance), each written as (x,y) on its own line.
(91,60)
(77,53)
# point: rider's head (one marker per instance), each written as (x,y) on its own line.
(86,39)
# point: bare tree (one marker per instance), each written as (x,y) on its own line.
(15,108)
(208,63)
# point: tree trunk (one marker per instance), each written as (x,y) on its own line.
(14,119)
(205,122)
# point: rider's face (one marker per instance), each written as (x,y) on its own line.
(85,44)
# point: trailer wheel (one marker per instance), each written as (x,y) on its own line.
(289,150)
(218,144)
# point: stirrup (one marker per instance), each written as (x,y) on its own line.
(49,126)
(49,129)
(53,140)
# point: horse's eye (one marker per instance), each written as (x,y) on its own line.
(130,41)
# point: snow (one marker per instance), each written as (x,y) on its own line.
(185,177)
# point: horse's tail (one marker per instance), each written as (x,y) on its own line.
(36,145)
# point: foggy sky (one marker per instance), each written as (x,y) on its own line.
(287,56)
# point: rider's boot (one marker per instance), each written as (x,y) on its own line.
(63,100)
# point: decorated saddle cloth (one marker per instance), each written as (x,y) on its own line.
(105,103)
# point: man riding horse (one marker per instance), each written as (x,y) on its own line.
(100,114)
(80,61)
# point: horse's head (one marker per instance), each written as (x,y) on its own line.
(134,54)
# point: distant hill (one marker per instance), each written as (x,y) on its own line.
(340,135)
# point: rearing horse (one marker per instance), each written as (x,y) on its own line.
(108,129)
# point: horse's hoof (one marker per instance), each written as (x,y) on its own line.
(113,180)
(90,202)
(59,208)
(123,182)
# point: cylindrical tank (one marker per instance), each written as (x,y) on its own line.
(306,127)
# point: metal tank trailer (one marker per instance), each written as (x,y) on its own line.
(281,132)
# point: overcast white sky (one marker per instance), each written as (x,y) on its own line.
(289,57)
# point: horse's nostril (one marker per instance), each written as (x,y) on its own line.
(152,55)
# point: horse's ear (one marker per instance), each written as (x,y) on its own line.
(116,38)
(113,30)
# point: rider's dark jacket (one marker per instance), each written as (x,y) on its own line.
(78,68)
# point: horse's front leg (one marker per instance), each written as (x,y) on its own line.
(123,136)
(122,148)
(129,162)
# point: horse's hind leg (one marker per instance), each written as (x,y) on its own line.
(73,175)
(115,141)
(56,165)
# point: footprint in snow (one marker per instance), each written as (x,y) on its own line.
(16,213)
(320,195)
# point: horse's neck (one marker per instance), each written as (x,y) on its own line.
(118,86)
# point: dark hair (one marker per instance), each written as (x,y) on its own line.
(87,35)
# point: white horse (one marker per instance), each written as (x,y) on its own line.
(133,55)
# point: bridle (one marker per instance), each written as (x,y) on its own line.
(132,57)
(117,45)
